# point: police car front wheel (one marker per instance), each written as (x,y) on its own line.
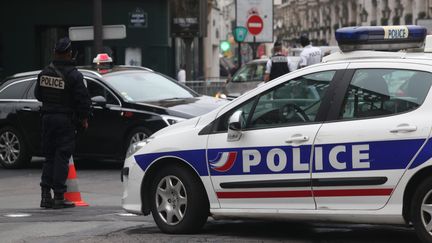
(422,211)
(13,150)
(178,201)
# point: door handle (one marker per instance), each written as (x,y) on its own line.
(403,128)
(298,138)
(26,109)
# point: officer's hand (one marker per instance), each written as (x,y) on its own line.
(84,123)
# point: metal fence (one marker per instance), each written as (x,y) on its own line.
(209,87)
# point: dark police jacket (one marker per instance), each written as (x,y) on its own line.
(279,66)
(66,94)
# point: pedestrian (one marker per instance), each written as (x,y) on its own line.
(181,75)
(278,64)
(65,108)
(310,54)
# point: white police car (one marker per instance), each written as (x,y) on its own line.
(346,140)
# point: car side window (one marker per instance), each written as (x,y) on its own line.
(96,89)
(245,73)
(30,93)
(378,92)
(294,102)
(14,90)
(259,72)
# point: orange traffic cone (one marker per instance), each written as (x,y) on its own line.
(73,194)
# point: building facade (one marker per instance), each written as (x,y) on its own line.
(318,19)
(29,30)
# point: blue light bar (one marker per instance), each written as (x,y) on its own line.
(387,38)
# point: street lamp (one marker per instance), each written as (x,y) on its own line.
(363,15)
(386,12)
(399,10)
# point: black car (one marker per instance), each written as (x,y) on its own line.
(128,105)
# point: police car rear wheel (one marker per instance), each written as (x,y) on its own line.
(178,203)
(422,211)
(13,150)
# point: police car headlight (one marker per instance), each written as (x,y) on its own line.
(133,148)
(170,120)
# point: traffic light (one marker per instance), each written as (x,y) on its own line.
(225,46)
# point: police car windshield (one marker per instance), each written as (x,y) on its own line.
(146,86)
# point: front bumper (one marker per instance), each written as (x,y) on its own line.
(132,176)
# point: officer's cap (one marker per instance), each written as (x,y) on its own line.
(63,45)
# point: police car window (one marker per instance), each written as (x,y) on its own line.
(295,101)
(245,108)
(96,89)
(14,90)
(378,92)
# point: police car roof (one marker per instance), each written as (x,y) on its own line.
(376,42)
(401,56)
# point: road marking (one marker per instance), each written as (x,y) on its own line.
(126,214)
(17,215)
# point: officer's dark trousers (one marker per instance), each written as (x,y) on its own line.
(58,144)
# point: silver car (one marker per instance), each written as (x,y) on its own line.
(248,77)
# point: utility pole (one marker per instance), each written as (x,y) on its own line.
(97,26)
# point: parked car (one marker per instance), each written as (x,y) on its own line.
(128,104)
(248,77)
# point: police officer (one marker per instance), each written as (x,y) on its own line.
(310,54)
(278,64)
(65,108)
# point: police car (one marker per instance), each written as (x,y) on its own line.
(346,140)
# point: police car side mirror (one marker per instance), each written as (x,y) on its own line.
(98,101)
(235,126)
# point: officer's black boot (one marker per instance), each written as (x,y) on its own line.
(60,202)
(46,198)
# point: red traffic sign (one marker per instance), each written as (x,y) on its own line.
(255,24)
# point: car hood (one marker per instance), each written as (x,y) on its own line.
(188,107)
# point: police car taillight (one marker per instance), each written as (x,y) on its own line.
(102,58)
(383,38)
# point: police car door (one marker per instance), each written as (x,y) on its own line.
(360,155)
(267,163)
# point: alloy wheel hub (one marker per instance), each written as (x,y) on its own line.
(426,212)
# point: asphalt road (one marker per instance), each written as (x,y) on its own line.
(21,219)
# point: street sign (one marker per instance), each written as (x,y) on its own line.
(138,19)
(240,33)
(260,26)
(85,33)
(255,24)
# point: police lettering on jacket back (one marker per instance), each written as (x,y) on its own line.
(54,89)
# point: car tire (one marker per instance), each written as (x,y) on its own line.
(13,149)
(135,135)
(421,211)
(181,208)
